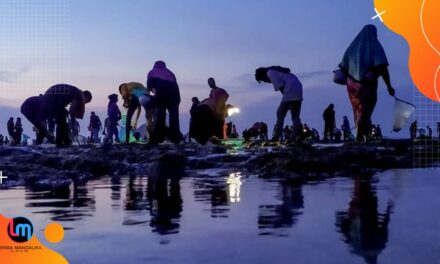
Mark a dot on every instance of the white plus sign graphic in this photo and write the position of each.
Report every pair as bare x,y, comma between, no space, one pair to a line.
2,177
378,15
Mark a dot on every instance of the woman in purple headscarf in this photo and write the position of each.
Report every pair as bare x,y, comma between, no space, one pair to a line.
364,62
163,83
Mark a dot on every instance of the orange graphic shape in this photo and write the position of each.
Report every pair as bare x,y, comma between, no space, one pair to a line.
417,21
54,233
30,256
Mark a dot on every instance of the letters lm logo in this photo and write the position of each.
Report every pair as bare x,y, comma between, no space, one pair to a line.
20,229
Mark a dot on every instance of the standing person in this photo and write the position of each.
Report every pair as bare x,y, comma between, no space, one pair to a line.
163,83
438,130
52,106
364,62
378,132
95,126
217,103
429,129
413,130
6,140
329,122
113,117
136,96
346,128
291,89
1,140
18,131
192,112
11,128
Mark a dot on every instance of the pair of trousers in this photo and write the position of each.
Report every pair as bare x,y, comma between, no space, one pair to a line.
295,110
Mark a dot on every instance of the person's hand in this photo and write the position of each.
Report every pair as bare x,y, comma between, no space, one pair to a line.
391,91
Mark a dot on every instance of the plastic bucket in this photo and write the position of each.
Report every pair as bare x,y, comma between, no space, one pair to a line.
402,112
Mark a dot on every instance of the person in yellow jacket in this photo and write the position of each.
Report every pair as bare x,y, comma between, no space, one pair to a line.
136,96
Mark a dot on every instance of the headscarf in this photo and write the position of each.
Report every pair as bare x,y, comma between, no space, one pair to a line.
364,53
161,71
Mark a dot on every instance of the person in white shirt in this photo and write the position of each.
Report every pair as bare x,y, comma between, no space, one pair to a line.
291,89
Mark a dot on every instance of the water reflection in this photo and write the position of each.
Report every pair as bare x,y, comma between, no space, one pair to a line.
212,191
164,195
273,219
363,228
234,183
71,203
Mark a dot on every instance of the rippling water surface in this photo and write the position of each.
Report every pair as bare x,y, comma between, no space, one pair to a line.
392,217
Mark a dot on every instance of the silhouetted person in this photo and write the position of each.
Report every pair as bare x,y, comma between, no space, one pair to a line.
291,89
136,97
210,114
163,83
365,229
413,130
364,62
113,117
18,131
195,103
346,128
438,130
95,126
2,140
329,122
52,106
6,141
378,132
429,129
11,128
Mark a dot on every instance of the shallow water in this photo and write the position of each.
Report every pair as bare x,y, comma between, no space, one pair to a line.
233,218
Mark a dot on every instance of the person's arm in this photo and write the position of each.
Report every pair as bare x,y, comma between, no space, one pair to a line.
276,80
383,69
138,113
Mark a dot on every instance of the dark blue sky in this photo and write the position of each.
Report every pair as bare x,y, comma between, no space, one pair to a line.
97,45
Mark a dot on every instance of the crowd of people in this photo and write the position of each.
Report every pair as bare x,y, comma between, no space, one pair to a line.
363,63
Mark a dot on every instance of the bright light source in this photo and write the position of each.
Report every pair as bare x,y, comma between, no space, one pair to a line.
233,110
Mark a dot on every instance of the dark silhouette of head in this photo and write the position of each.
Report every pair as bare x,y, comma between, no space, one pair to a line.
211,83
195,100
87,96
261,75
113,97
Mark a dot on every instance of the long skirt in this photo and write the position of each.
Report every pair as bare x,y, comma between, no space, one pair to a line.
363,98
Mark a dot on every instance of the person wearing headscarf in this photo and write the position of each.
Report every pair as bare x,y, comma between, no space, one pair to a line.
113,117
136,96
364,62
162,82
291,88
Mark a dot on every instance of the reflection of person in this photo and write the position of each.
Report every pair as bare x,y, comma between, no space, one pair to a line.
52,106
291,89
163,193
364,228
282,215
364,62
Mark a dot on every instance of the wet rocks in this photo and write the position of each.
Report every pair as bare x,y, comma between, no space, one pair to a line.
57,167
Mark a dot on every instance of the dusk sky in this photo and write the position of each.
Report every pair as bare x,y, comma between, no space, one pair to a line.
97,45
